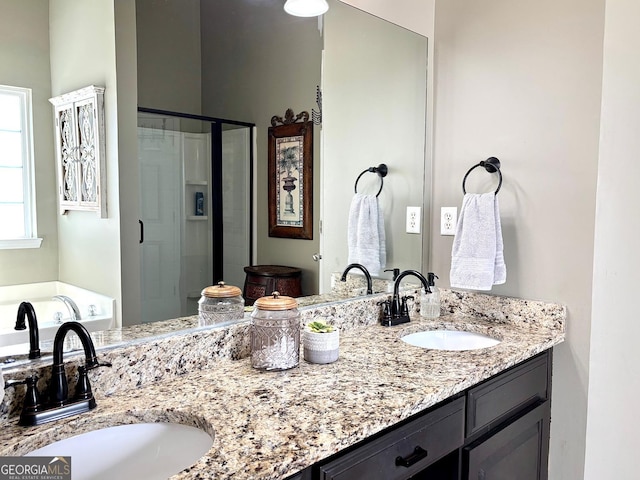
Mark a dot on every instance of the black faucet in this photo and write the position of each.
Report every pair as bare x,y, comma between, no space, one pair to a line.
397,312
58,405
58,387
364,270
26,310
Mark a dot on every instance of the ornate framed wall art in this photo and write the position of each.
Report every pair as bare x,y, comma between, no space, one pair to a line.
291,176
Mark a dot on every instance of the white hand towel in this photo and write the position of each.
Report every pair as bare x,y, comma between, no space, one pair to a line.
365,233
477,259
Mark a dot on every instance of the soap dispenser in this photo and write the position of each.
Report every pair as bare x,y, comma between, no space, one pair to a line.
430,300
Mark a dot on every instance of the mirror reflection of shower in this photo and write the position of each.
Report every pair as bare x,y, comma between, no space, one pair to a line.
195,204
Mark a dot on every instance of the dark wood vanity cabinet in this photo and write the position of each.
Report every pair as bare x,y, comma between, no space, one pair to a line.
517,451
507,424
496,430
405,450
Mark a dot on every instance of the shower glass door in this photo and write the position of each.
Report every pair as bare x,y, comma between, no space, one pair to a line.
195,203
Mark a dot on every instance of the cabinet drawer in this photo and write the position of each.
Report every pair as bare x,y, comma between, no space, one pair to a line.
405,450
503,396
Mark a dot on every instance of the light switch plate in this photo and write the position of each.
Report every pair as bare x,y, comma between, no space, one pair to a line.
448,220
413,219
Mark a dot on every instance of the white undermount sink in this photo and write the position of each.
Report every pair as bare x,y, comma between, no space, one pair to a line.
449,340
136,451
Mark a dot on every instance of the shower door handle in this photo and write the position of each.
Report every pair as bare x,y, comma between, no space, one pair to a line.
141,231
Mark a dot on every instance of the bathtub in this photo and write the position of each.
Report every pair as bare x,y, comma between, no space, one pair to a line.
96,312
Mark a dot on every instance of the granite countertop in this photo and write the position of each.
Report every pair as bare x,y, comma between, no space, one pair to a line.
268,425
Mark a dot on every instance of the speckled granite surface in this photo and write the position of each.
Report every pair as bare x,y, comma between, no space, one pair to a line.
356,284
262,423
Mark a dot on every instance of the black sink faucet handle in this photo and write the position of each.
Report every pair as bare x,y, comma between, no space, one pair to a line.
386,308
404,308
98,364
32,397
83,387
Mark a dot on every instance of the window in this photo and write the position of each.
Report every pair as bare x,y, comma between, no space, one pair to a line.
17,196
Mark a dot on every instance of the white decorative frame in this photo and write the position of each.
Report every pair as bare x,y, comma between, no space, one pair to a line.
80,150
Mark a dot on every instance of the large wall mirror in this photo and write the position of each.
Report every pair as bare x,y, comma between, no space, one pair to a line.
247,60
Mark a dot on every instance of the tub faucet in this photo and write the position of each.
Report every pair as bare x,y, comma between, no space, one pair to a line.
74,313
26,310
398,312
364,270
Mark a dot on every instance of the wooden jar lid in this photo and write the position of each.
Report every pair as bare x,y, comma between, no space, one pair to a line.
221,291
275,302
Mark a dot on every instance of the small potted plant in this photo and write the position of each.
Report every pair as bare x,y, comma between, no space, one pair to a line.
320,342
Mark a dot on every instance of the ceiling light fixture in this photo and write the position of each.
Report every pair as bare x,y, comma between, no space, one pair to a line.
306,8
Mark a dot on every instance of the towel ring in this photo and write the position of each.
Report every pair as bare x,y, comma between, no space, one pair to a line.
491,165
381,170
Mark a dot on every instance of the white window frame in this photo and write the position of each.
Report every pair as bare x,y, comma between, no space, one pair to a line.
30,240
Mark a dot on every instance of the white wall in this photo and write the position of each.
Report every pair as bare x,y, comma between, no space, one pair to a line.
169,64
374,111
56,47
416,15
521,80
614,382
82,40
257,61
127,154
24,62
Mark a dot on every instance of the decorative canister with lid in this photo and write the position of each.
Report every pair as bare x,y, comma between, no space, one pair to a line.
219,304
275,333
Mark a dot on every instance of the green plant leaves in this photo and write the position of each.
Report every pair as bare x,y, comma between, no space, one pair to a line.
320,327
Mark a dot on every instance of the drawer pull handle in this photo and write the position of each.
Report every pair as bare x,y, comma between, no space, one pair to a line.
418,454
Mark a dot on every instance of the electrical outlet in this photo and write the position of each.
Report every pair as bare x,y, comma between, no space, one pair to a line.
448,220
413,219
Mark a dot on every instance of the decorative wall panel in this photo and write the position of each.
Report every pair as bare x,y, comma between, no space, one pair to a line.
80,150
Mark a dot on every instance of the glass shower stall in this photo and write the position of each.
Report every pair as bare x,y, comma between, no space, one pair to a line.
196,199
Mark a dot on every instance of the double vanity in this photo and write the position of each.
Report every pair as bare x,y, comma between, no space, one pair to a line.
386,409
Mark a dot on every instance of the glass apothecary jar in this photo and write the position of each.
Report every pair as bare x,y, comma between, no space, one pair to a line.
220,304
275,333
